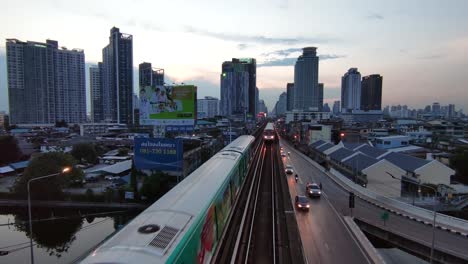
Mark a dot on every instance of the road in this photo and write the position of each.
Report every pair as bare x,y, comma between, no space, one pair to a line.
325,237
399,225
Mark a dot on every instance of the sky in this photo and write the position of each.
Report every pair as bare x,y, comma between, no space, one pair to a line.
420,47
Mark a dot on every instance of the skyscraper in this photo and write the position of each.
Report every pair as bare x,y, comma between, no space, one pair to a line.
290,96
262,107
326,107
238,88
435,108
117,78
306,89
351,90
281,105
371,92
320,97
45,83
150,76
95,85
336,107
257,100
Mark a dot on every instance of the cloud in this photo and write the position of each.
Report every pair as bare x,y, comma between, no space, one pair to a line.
283,52
278,62
331,56
242,46
375,16
292,61
255,39
432,56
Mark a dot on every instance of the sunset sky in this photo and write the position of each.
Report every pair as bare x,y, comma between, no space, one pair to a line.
419,47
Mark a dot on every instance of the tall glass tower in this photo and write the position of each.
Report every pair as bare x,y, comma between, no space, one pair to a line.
307,96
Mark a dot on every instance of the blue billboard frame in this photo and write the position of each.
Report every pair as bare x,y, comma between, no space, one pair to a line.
163,154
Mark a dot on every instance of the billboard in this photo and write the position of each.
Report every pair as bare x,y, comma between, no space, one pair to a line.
168,105
163,154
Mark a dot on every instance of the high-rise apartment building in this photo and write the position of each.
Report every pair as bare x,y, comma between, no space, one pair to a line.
281,106
351,91
208,107
290,96
117,78
262,107
371,92
45,83
435,108
336,107
150,76
95,85
306,89
320,97
238,88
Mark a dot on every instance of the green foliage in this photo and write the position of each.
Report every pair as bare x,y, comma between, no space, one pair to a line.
85,152
155,185
89,195
61,123
9,150
133,180
123,152
459,161
48,188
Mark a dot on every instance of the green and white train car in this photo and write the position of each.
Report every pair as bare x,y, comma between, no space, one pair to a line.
186,224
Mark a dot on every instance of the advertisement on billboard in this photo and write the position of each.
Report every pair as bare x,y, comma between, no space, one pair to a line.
168,105
163,154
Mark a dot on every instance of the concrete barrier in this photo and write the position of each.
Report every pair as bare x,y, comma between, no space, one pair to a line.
366,245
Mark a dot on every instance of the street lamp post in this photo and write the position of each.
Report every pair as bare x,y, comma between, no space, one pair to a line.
431,259
64,170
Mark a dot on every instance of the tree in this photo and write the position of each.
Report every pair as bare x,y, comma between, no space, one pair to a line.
10,151
61,123
123,152
85,152
459,161
134,180
46,164
155,185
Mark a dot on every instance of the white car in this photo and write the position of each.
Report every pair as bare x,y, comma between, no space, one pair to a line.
289,169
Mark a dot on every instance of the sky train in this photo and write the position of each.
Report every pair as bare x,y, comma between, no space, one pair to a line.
186,224
269,133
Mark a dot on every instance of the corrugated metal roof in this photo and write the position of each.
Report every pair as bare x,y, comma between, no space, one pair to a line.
406,162
360,162
340,154
352,146
5,169
116,168
325,147
317,143
19,165
371,151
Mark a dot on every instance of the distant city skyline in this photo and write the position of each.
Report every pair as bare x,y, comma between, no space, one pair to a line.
418,47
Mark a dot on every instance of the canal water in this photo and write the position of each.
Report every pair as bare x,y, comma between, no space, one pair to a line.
59,236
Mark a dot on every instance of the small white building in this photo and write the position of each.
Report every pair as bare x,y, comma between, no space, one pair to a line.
294,116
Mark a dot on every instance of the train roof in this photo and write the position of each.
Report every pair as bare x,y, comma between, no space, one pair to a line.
174,213
240,144
269,126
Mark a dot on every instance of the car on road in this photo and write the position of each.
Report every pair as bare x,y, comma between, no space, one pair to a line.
283,155
289,169
313,190
302,203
